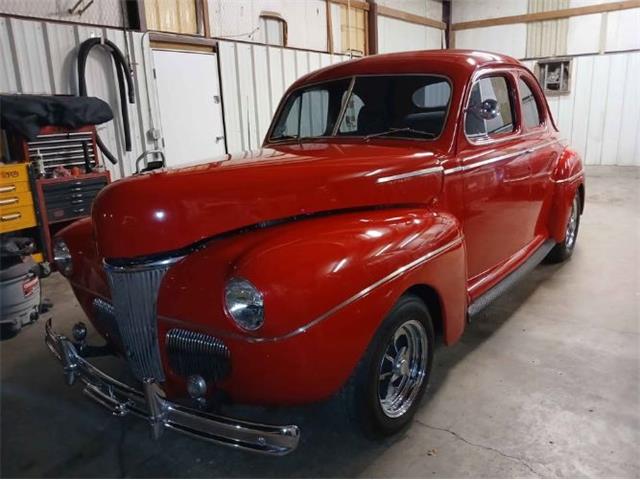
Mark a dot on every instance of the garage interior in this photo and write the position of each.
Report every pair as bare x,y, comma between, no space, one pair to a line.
544,383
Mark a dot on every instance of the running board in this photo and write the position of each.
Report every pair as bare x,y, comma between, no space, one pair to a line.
510,280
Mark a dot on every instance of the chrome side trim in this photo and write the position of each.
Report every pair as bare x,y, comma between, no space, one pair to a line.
542,145
366,291
449,171
143,266
415,173
489,161
571,178
499,158
151,404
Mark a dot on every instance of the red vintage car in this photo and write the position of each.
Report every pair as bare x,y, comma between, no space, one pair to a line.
394,197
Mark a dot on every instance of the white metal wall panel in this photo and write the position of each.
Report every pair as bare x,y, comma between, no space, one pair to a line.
101,12
584,34
397,35
254,78
579,35
622,30
550,37
507,39
8,80
601,116
628,152
41,57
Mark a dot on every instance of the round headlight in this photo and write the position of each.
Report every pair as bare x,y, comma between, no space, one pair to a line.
62,257
245,303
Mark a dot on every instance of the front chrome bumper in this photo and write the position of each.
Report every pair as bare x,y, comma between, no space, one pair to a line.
151,404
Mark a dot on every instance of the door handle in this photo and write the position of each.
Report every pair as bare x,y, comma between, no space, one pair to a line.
9,201
8,188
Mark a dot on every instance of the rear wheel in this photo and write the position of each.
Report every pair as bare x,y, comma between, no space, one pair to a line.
388,383
563,250
9,330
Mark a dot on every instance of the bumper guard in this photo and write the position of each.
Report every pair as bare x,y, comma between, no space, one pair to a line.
151,404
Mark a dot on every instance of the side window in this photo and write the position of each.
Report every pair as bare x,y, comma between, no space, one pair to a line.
530,112
313,121
350,122
307,116
310,112
489,110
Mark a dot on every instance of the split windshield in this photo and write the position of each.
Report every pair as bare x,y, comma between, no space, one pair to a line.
394,106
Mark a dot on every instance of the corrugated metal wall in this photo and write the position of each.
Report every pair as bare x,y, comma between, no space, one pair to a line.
549,38
601,115
254,78
40,57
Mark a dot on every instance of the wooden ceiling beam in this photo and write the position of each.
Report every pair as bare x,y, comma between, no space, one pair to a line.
549,15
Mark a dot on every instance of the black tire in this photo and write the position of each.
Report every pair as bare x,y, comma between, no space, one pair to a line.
360,396
563,250
9,330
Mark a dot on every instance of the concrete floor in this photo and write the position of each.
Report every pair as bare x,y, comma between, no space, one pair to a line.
545,384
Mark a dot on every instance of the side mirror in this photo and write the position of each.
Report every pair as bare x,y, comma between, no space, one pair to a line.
488,109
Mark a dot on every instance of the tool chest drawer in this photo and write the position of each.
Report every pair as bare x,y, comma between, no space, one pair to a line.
69,211
16,199
72,198
66,196
73,186
16,218
14,187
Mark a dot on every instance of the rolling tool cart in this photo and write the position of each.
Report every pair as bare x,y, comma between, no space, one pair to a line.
52,169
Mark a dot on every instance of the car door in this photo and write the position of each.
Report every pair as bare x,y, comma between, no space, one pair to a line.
496,174
543,150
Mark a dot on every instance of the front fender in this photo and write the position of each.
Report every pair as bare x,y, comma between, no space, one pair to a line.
327,284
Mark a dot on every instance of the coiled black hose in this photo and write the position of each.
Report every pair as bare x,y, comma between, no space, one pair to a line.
123,73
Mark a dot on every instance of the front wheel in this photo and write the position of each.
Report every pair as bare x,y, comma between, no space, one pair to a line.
384,391
563,250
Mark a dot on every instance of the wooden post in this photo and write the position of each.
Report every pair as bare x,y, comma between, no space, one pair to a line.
446,18
329,27
372,27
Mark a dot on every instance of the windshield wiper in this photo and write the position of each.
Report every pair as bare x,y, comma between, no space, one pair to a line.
284,137
400,130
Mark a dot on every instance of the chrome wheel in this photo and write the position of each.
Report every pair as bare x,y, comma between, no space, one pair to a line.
572,226
403,368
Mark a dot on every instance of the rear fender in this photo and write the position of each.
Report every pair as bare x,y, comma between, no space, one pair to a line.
568,178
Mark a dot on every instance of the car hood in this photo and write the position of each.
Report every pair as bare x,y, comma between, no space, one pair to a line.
170,209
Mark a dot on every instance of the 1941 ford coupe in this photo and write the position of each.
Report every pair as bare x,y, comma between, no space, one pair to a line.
394,197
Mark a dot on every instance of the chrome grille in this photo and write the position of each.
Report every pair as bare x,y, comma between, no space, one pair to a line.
105,314
195,353
134,292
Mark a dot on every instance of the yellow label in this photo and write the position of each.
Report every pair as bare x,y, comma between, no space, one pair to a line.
14,172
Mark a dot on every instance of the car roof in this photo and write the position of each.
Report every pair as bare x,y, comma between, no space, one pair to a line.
452,63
